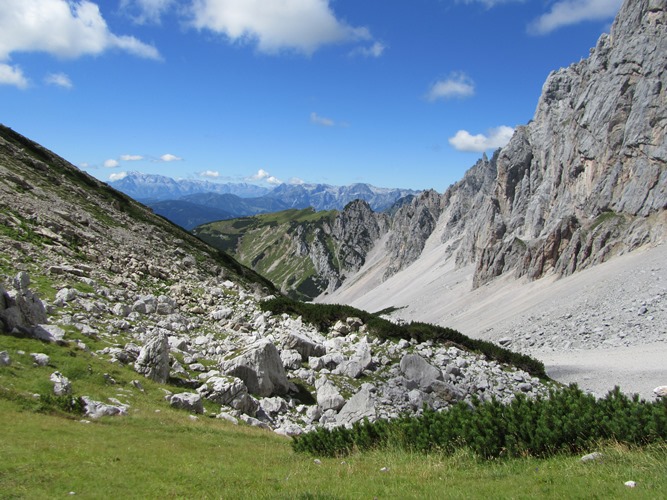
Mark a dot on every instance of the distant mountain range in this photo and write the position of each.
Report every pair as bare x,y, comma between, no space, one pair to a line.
152,188
190,203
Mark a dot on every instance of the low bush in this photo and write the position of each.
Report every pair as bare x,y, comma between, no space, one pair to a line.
569,421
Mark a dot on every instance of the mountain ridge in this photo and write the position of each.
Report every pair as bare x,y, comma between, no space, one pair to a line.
166,196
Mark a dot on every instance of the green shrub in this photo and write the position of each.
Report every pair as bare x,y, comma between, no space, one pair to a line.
567,421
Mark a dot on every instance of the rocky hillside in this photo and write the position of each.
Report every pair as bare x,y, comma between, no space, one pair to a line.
304,252
87,268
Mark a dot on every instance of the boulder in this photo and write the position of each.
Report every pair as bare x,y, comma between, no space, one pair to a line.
289,430
328,397
418,370
360,406
260,368
291,359
190,401
153,359
273,406
229,391
20,309
48,333
304,346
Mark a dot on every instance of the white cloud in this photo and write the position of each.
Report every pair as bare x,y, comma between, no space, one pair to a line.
495,138
375,50
117,176
263,175
111,163
213,174
59,80
320,120
146,11
12,75
64,28
295,181
568,12
131,157
169,157
457,85
299,25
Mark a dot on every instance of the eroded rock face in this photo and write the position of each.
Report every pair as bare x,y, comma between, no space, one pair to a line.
587,178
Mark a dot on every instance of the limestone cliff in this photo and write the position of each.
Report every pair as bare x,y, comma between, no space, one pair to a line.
586,179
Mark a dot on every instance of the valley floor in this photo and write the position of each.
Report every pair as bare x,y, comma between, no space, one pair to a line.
601,327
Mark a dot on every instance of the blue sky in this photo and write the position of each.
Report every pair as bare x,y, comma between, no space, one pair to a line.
395,93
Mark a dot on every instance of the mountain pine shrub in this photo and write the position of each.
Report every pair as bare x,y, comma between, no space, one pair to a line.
567,421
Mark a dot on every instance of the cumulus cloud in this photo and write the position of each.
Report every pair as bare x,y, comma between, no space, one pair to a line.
12,75
375,50
298,25
295,181
263,175
146,11
59,80
131,157
495,138
456,85
117,176
64,28
169,157
111,163
569,12
213,174
320,120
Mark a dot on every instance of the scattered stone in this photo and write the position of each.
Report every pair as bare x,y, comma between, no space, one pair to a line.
40,359
660,391
592,457
61,384
96,409
5,360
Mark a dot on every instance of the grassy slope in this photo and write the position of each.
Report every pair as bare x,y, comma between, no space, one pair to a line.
150,454
156,451
264,243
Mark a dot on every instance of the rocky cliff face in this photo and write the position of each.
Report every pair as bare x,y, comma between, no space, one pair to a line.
586,179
